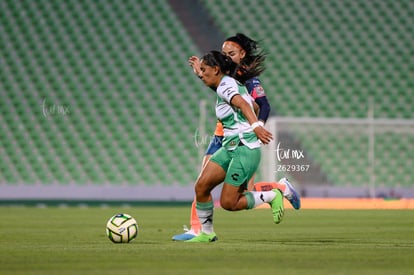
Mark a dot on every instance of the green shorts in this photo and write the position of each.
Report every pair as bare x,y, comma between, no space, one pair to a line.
239,164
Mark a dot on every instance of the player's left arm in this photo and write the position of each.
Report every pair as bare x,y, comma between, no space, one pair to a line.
239,102
264,108
259,96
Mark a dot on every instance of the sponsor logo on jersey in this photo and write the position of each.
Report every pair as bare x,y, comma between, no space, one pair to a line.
260,91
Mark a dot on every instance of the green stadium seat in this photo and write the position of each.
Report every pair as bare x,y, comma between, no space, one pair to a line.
121,72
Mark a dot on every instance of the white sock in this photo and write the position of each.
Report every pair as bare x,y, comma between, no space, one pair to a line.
206,220
261,197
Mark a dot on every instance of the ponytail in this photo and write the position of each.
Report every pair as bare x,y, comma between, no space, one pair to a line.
252,64
240,72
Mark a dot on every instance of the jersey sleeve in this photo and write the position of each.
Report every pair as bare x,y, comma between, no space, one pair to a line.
255,88
227,90
264,108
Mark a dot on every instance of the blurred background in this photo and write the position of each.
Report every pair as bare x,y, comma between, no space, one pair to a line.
97,100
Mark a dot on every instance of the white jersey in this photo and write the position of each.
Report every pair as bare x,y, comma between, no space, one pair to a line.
235,125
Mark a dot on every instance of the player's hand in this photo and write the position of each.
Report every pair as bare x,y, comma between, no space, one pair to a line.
263,135
194,62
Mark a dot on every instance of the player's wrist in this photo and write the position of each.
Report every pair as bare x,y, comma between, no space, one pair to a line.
256,124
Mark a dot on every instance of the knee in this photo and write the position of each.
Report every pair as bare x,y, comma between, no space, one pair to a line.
227,204
201,189
198,189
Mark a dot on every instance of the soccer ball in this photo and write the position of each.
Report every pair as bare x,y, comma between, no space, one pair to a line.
122,228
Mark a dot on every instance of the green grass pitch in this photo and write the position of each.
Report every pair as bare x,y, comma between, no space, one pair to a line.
72,240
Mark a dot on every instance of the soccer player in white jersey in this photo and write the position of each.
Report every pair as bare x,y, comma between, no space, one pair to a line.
246,52
239,157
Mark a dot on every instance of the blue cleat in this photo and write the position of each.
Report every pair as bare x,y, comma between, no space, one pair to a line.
187,235
291,194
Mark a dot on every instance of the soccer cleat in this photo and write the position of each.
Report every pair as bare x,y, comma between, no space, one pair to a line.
290,193
188,235
203,238
277,206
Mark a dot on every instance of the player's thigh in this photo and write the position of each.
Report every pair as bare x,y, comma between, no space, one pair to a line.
243,165
211,176
250,184
230,198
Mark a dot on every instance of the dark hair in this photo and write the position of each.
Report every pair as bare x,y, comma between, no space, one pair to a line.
253,63
216,58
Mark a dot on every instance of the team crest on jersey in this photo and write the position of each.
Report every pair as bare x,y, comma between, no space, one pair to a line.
232,143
